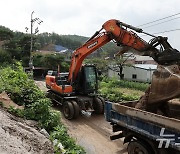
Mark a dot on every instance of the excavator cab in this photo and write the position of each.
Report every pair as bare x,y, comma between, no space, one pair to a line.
86,82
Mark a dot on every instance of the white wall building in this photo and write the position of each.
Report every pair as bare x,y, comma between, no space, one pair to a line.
137,72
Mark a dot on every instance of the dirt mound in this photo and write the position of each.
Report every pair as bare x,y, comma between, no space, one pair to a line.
7,102
18,136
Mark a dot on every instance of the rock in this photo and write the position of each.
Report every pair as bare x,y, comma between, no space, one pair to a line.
44,132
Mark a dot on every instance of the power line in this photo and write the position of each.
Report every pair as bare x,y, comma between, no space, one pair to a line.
161,22
167,31
172,30
159,19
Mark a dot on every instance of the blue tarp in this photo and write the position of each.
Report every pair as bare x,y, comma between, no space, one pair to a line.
59,48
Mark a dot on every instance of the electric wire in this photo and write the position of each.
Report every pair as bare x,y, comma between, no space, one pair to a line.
166,31
159,20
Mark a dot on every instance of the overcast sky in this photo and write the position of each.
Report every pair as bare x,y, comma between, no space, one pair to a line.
84,17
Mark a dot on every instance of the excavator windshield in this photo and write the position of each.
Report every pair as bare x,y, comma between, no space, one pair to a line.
90,78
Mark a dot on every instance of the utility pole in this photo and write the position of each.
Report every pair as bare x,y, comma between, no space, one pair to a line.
33,21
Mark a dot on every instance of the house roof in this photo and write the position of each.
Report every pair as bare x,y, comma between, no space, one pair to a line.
142,58
146,66
60,48
140,66
131,55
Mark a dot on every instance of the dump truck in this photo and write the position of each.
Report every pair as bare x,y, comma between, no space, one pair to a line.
145,132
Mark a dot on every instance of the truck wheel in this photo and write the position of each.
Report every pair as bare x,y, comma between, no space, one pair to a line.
76,109
103,101
136,147
98,106
68,110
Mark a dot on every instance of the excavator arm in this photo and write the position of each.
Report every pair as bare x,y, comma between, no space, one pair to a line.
111,30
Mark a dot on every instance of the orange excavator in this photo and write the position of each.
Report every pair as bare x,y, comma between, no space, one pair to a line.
77,90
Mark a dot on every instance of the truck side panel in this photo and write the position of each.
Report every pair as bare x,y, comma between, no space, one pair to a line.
144,126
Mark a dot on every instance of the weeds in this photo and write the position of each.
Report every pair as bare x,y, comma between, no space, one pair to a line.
23,91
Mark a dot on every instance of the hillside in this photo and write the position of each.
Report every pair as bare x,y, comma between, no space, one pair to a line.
73,42
41,40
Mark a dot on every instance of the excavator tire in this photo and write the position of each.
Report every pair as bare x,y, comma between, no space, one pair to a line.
98,106
68,110
76,109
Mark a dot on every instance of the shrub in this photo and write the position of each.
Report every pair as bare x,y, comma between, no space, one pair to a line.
60,133
23,91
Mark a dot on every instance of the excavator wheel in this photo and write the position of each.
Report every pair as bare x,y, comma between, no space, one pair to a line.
98,105
76,109
68,110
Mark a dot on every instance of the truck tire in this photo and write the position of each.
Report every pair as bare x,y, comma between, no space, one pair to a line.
76,109
103,101
137,147
98,106
68,110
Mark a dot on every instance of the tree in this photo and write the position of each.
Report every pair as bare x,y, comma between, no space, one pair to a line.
5,33
5,57
101,64
51,61
120,63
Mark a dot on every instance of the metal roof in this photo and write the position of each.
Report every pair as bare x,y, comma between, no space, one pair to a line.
146,66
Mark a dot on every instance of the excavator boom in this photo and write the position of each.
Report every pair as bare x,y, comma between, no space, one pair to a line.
113,30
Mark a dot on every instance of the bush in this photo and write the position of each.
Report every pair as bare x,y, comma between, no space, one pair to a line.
16,83
60,133
23,91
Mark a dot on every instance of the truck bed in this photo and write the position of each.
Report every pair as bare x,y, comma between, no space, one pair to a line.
144,123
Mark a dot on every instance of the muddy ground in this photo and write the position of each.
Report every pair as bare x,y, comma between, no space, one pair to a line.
92,133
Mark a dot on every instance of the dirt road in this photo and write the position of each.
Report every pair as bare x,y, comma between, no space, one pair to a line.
92,133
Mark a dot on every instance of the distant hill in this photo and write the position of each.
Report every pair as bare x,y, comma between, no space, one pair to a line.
81,39
71,42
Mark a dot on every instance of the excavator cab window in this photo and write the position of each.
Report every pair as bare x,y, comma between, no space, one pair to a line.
86,82
90,78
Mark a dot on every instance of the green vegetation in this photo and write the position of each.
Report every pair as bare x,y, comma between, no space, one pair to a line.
23,91
100,63
17,44
51,61
121,90
60,133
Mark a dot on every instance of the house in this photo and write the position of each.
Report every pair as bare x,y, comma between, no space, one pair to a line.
137,72
138,59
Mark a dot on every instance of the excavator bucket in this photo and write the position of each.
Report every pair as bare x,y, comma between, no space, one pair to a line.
164,87
165,84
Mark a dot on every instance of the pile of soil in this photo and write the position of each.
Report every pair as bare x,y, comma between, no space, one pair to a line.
19,136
